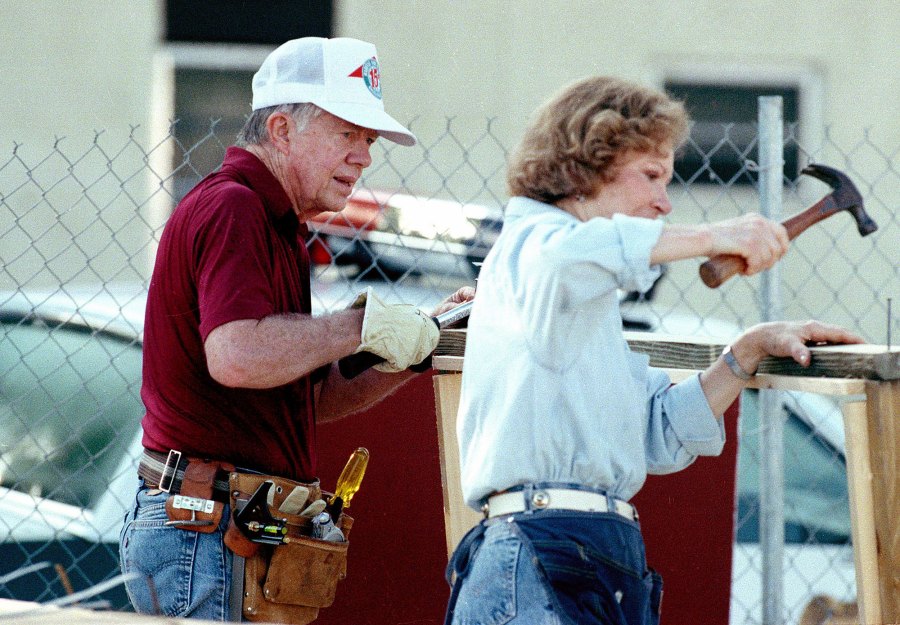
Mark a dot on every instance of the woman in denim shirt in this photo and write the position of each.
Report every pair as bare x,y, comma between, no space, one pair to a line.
559,422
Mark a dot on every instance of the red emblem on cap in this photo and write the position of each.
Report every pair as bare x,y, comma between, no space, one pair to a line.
370,74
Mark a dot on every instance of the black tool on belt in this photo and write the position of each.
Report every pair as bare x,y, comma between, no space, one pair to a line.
257,523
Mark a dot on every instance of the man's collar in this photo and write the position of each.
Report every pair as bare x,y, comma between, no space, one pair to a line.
261,180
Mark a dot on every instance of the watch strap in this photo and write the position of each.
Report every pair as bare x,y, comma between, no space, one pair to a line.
734,365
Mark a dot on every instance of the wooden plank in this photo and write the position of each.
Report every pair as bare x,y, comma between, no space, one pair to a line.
28,613
869,362
458,517
860,489
677,352
447,363
883,402
824,386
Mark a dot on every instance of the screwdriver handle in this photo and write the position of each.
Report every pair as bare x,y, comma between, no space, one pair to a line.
351,477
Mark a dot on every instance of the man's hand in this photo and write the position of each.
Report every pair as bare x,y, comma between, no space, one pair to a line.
401,334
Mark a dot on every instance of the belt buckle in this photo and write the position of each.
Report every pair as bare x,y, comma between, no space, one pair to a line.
164,484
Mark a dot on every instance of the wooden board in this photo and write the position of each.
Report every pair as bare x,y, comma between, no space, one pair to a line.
866,362
883,417
458,517
28,613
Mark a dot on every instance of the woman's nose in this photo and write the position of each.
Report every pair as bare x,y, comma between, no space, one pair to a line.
662,203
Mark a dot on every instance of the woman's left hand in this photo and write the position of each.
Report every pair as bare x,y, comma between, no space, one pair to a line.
787,339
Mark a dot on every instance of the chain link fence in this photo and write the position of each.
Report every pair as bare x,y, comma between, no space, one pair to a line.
79,223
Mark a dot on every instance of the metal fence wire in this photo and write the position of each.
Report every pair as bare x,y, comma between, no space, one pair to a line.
79,224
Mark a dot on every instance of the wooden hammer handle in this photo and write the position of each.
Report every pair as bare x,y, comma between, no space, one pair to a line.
718,269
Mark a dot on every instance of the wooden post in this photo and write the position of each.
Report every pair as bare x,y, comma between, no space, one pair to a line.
458,518
883,417
862,511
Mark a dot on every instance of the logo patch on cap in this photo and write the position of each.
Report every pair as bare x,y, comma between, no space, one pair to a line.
370,74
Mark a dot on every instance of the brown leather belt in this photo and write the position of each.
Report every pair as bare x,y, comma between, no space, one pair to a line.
166,473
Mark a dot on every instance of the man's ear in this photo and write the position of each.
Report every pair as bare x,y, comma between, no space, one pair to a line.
279,127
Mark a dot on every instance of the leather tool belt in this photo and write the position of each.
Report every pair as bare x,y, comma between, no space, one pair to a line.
288,574
519,500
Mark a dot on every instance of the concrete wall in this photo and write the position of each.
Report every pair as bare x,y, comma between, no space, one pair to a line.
70,68
495,57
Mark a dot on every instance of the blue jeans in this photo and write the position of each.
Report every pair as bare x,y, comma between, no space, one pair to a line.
190,571
556,567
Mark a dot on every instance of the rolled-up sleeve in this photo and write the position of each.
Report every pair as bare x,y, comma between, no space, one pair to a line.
681,424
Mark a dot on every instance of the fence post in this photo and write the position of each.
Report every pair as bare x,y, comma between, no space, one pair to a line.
771,414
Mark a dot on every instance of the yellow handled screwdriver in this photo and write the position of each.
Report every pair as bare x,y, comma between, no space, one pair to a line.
348,483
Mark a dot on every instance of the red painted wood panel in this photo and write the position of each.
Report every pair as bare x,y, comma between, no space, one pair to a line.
397,555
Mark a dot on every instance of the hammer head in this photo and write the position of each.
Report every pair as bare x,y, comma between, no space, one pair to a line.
844,195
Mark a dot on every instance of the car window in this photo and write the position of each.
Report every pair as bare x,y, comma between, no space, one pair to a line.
69,408
816,506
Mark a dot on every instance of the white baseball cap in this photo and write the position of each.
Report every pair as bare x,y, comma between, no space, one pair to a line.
339,75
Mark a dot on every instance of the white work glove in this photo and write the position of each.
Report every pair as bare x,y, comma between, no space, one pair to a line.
401,334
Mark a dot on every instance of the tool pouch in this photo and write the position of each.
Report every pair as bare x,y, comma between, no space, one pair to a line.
290,582
194,509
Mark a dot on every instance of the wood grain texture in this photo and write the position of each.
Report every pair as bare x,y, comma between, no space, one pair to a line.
28,613
458,517
883,417
866,362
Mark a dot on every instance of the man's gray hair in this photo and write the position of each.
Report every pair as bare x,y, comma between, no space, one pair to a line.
254,131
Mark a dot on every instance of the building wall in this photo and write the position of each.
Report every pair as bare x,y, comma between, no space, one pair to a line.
70,68
494,57
74,67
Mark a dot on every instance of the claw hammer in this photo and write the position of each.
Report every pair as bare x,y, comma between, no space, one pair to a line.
844,197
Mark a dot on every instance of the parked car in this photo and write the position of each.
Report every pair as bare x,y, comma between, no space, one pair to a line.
70,410
393,234
70,436
818,555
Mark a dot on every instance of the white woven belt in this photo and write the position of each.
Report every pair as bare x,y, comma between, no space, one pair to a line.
557,498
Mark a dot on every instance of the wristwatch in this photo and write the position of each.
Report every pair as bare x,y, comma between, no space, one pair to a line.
734,365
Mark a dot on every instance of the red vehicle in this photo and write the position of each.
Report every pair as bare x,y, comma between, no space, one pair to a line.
398,234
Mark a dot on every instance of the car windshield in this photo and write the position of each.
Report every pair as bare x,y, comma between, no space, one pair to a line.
69,408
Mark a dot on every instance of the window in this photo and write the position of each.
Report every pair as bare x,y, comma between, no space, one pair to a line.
214,49
247,22
724,131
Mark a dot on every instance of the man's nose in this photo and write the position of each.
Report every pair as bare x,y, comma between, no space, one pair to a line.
361,154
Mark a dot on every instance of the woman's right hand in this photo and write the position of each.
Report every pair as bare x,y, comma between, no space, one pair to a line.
759,241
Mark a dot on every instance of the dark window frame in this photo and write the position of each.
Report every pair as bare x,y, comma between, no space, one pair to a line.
724,131
247,21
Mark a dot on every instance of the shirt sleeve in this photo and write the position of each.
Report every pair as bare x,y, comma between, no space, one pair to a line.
681,424
586,260
231,259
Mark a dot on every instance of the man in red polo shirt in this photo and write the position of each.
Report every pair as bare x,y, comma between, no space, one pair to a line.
235,368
